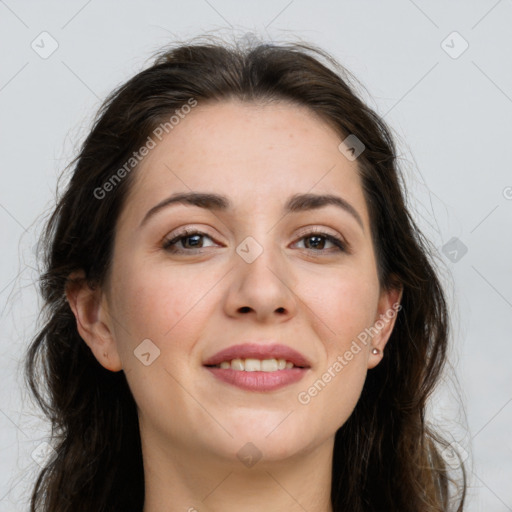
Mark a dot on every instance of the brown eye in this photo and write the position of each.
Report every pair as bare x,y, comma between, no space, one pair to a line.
316,242
189,240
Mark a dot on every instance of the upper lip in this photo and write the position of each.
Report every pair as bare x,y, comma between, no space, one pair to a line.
258,351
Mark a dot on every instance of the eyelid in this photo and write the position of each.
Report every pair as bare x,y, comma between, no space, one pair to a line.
321,230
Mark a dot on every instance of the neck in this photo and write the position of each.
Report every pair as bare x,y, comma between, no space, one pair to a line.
198,482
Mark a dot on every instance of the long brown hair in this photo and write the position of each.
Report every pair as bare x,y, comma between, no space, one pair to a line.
386,457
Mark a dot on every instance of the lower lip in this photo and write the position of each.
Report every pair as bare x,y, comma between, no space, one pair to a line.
259,381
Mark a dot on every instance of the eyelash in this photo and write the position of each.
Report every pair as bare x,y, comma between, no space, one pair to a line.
340,245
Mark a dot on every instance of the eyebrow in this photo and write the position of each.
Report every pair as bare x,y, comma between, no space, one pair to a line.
217,202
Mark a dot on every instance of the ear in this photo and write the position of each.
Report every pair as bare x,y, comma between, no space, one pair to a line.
387,310
92,320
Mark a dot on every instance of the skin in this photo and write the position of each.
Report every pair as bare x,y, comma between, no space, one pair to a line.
193,304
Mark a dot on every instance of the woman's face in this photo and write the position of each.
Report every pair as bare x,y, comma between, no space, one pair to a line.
259,274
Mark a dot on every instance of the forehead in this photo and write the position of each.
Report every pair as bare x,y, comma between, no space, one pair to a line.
257,154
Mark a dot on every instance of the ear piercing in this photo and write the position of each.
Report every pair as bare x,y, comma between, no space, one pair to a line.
375,351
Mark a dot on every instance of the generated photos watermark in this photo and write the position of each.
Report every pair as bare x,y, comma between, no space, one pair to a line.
137,156
304,397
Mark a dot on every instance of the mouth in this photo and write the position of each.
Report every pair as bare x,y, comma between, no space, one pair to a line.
256,367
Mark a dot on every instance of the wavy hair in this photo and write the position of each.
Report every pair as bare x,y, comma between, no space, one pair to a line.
386,455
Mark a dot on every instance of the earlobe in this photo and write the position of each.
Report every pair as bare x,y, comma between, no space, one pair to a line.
387,311
92,320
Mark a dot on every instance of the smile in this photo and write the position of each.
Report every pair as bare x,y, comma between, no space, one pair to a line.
256,365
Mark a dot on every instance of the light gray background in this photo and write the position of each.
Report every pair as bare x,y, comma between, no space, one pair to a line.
452,117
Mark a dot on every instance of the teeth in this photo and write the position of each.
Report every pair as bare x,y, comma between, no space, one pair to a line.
256,365
237,364
252,365
269,365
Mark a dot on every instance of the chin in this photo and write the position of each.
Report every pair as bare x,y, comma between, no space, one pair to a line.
269,440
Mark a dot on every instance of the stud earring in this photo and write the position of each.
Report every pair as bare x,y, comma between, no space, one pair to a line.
375,351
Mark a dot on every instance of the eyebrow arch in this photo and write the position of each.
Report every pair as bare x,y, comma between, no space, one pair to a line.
217,202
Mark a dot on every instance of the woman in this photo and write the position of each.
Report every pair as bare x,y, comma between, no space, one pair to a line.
241,312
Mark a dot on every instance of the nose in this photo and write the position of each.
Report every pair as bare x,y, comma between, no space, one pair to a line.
261,288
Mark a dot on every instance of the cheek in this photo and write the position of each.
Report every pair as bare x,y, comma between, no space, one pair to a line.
344,305
150,300
149,306
346,384
169,307
345,302
330,398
